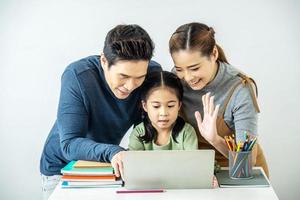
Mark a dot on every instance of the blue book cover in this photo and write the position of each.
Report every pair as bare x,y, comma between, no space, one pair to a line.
66,184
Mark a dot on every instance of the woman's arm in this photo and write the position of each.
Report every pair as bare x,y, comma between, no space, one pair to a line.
208,128
245,116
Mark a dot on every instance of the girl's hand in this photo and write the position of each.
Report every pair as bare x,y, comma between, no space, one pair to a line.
208,127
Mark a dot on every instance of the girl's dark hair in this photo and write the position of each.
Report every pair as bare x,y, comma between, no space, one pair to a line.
127,42
196,37
154,81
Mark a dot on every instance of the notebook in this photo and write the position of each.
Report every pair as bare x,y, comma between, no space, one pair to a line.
69,169
67,184
168,169
88,178
90,164
258,180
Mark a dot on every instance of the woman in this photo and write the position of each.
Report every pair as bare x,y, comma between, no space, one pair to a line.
206,74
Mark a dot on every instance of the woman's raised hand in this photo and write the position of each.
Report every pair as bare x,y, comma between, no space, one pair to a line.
207,126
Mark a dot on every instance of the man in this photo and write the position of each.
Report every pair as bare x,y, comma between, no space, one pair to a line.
98,103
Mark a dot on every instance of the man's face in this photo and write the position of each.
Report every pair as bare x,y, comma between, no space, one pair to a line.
124,76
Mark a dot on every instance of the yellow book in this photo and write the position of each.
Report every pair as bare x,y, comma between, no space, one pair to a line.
91,164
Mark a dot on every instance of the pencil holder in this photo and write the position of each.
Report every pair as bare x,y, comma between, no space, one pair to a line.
240,164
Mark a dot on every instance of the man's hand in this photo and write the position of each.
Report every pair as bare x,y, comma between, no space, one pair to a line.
117,163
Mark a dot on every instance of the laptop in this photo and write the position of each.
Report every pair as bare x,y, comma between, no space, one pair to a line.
169,169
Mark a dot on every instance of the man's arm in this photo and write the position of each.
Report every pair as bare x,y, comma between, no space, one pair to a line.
72,120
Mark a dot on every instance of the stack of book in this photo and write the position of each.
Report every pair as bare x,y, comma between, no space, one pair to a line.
87,174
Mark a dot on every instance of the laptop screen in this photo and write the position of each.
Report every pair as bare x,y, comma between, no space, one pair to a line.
169,169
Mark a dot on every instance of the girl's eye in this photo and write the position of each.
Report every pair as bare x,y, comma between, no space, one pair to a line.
170,106
155,106
178,70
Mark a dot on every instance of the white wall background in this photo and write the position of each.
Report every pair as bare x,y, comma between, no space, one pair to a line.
39,38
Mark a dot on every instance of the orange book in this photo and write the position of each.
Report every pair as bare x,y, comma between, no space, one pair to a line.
88,178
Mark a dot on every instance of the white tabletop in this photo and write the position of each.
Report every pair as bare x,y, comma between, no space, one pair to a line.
258,193
266,193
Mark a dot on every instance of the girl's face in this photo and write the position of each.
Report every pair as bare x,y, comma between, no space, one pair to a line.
162,106
195,69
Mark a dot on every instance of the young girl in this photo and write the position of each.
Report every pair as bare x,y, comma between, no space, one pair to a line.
162,128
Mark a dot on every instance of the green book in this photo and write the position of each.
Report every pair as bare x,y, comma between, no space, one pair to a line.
258,180
69,169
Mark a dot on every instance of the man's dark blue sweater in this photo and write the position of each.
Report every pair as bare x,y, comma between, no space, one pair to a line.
91,121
